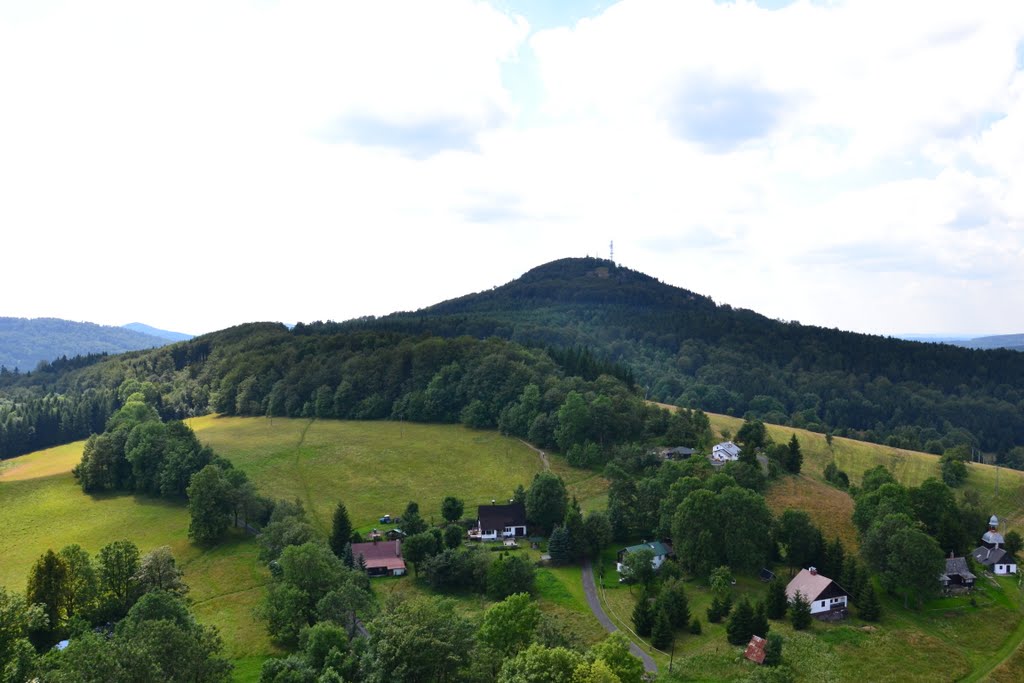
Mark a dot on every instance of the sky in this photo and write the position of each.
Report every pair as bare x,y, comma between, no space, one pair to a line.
195,165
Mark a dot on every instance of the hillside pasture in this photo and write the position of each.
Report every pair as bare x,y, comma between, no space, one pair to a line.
376,468
909,467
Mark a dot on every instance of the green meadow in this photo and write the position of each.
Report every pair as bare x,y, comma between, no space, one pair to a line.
378,467
374,467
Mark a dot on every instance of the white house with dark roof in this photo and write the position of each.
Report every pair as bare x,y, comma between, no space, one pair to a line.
823,594
499,521
991,553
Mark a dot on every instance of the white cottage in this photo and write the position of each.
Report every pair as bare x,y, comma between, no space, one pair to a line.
821,592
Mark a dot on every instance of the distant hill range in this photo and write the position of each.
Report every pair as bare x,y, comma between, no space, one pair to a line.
25,342
157,332
1013,342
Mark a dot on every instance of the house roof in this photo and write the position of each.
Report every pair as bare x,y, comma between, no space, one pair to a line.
958,565
988,556
728,447
658,547
755,649
501,516
810,585
380,554
677,452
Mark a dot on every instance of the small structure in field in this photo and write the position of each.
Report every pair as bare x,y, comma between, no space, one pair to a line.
826,597
755,649
382,558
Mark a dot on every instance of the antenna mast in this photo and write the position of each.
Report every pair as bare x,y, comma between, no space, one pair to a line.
611,251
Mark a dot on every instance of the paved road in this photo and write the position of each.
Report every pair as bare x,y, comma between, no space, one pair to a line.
590,590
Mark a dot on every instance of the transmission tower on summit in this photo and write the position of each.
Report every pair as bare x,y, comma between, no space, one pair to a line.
611,251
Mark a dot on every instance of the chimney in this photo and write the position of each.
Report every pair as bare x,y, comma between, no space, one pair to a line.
813,571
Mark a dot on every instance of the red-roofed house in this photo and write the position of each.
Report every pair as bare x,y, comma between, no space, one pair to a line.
383,558
821,592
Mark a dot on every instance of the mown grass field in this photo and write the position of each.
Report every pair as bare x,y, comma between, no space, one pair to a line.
374,467
378,467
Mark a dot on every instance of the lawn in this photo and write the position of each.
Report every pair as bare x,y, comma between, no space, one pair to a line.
949,639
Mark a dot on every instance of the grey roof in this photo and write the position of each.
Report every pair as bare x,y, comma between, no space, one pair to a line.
958,565
988,556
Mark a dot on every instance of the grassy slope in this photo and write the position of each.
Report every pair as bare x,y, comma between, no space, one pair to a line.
375,467
909,467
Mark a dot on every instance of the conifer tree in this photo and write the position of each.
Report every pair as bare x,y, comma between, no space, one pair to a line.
800,612
643,616
346,556
759,624
573,524
341,530
739,628
773,650
695,628
868,606
794,459
673,600
558,546
662,634
776,602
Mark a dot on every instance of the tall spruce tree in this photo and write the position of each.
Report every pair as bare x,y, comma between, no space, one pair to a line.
662,634
643,616
558,546
759,624
341,530
740,625
776,602
868,606
800,612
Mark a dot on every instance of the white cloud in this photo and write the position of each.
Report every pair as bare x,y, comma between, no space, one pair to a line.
325,160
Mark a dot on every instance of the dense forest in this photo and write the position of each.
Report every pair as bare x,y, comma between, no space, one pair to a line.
510,357
682,348
25,342
266,369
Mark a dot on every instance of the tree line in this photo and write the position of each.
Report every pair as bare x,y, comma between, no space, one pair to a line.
684,349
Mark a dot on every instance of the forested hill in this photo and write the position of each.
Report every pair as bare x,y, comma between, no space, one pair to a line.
310,371
24,342
685,349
